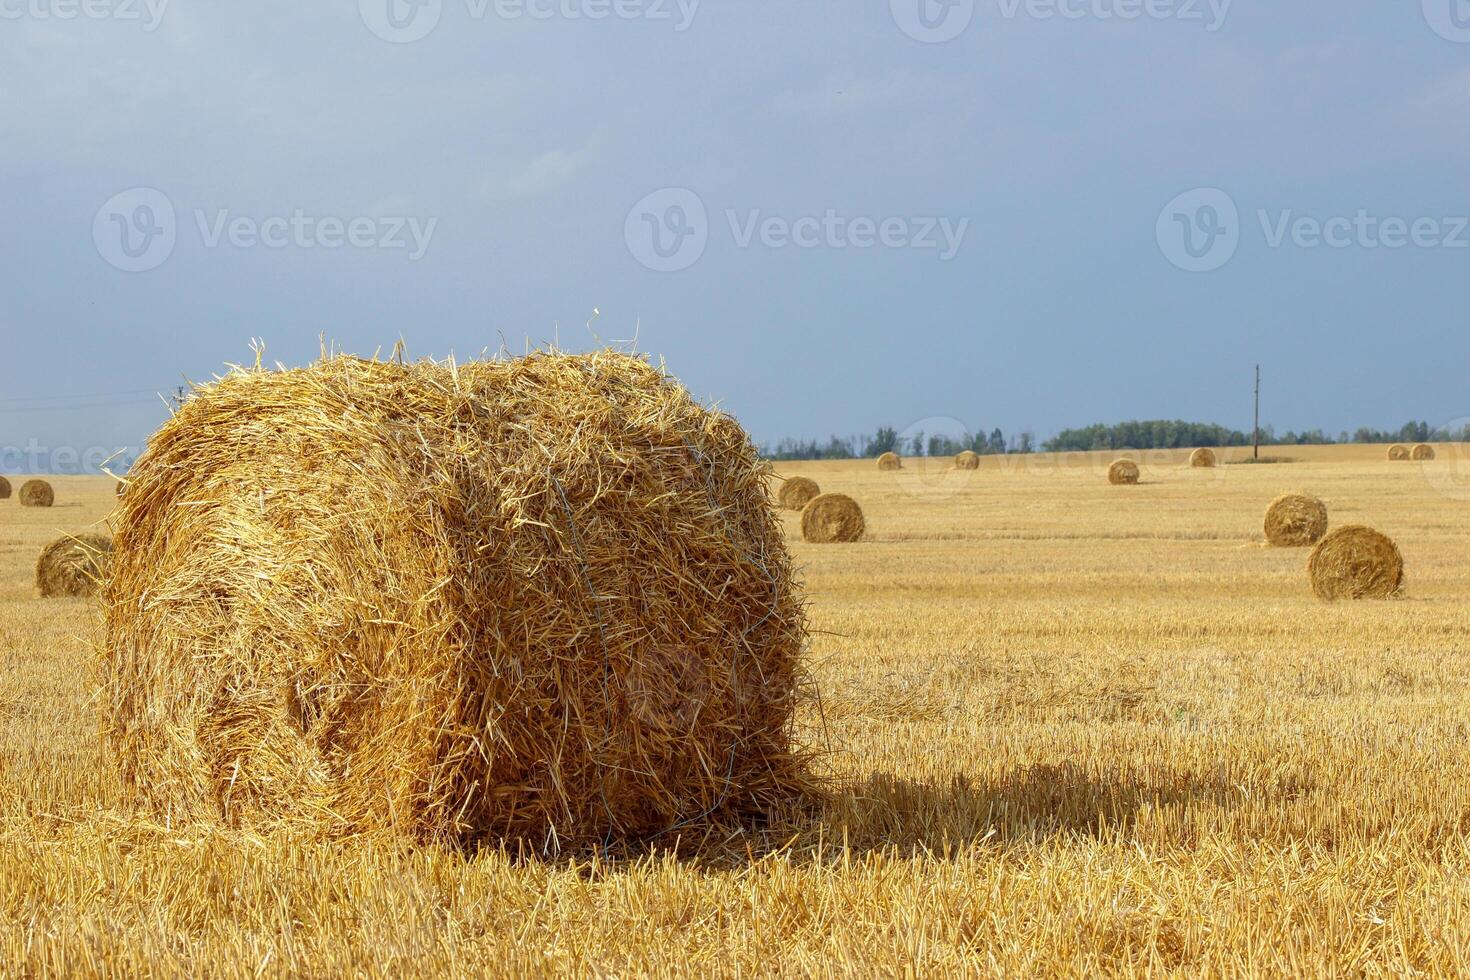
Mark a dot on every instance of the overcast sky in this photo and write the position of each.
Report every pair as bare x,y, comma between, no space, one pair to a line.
827,216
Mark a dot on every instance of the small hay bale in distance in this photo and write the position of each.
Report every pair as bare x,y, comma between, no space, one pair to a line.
543,601
1295,520
1422,452
967,460
1123,472
1398,452
1203,458
832,518
890,461
797,492
73,566
5,489
37,493
1356,562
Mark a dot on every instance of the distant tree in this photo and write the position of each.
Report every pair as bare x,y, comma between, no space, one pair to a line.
885,440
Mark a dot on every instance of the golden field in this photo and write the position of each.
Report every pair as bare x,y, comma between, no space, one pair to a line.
1070,729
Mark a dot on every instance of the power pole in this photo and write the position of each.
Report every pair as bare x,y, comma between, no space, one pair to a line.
179,396
1256,432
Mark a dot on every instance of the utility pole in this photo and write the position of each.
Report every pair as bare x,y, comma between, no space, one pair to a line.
179,397
1256,432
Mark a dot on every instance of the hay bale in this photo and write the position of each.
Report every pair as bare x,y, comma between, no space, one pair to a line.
4,488
890,461
1123,472
967,460
1203,459
1422,452
832,518
797,492
73,566
37,493
1356,562
543,600
1398,452
1295,520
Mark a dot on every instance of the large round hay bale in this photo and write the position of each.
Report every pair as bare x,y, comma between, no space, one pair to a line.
1295,520
37,493
797,492
73,566
1203,458
1356,562
832,518
1123,472
1398,452
890,461
1422,452
544,600
967,460
4,488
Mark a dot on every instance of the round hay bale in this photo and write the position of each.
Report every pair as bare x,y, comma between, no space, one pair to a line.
797,492
1422,452
4,488
73,566
1356,562
1123,472
967,460
543,600
1295,520
1398,452
37,493
890,461
832,518
1203,458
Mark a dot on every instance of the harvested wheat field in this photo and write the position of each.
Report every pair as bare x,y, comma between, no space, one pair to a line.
1065,731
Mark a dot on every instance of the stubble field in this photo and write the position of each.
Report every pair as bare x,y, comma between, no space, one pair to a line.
1070,728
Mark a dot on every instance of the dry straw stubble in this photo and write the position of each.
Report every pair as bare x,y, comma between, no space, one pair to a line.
967,460
1356,562
1203,458
1295,520
543,600
37,493
832,518
1123,472
890,461
797,492
73,566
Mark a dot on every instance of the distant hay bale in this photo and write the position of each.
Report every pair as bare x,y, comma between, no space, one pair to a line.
37,493
832,518
1356,562
890,461
1422,452
1295,520
1203,458
4,488
1398,452
1123,472
73,566
543,600
967,460
797,492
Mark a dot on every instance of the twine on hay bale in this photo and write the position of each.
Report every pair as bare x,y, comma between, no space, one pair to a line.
73,566
1203,458
832,518
1422,452
797,492
543,600
37,493
5,490
1123,472
967,460
1295,520
1398,452
890,461
1356,562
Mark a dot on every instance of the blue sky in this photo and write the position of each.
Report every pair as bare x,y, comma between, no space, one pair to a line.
864,221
